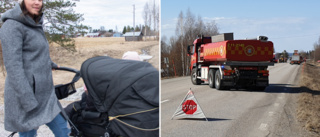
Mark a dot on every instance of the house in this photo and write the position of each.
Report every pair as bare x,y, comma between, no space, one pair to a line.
105,34
117,34
93,35
133,36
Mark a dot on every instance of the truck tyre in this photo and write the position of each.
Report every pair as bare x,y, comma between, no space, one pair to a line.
194,79
211,78
218,81
260,88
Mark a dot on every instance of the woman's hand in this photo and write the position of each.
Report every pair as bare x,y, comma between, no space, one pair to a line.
55,69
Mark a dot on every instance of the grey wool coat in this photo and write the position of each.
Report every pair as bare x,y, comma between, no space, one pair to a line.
29,96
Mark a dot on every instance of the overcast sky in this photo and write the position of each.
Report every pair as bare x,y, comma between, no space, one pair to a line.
111,13
289,24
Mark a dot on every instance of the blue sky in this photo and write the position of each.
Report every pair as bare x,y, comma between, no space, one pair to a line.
289,24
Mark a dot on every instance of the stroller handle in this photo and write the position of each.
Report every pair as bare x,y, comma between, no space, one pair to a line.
76,77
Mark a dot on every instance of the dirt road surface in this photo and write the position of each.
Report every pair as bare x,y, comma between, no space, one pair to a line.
235,112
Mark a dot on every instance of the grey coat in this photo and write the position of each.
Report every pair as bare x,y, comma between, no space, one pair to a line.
30,100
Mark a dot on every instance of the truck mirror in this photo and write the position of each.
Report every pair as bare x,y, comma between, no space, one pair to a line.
189,48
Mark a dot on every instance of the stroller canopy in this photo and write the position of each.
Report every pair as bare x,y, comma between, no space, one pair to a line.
106,79
128,91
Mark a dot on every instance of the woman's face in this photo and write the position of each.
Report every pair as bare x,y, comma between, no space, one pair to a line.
33,6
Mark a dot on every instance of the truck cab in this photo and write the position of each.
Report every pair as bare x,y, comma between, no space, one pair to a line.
195,50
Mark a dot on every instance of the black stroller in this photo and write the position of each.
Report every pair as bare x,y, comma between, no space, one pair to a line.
125,96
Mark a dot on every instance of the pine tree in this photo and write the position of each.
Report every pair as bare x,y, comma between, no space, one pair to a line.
4,6
128,28
124,30
137,28
63,23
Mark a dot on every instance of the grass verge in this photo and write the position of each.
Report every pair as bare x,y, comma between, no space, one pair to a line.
308,111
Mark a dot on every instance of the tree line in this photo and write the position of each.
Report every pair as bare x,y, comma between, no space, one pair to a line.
315,54
151,17
137,28
174,58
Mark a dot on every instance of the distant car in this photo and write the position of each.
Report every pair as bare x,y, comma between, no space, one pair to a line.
274,60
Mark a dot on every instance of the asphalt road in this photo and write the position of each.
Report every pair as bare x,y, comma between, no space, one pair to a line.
232,113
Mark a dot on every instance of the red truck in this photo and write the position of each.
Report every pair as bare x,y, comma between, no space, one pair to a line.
296,58
227,63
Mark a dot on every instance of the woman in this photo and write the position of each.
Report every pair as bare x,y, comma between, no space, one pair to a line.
30,100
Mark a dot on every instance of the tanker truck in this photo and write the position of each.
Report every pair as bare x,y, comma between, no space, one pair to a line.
227,63
296,58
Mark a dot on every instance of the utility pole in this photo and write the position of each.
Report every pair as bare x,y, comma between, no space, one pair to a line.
133,19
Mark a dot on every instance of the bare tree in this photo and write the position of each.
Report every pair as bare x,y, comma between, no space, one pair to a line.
189,26
157,17
303,54
180,23
151,18
157,21
145,15
200,26
210,29
154,15
316,53
165,48
180,31
187,29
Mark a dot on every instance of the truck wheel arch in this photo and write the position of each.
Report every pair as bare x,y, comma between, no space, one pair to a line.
216,68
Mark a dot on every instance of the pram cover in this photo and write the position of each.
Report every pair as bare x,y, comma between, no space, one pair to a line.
128,91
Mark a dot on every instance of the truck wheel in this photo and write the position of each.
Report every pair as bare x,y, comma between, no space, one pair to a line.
260,88
211,78
194,79
218,81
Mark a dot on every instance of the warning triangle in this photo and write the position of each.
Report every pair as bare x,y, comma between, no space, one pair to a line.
189,108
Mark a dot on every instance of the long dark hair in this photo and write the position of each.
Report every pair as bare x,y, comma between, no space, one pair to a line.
25,12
